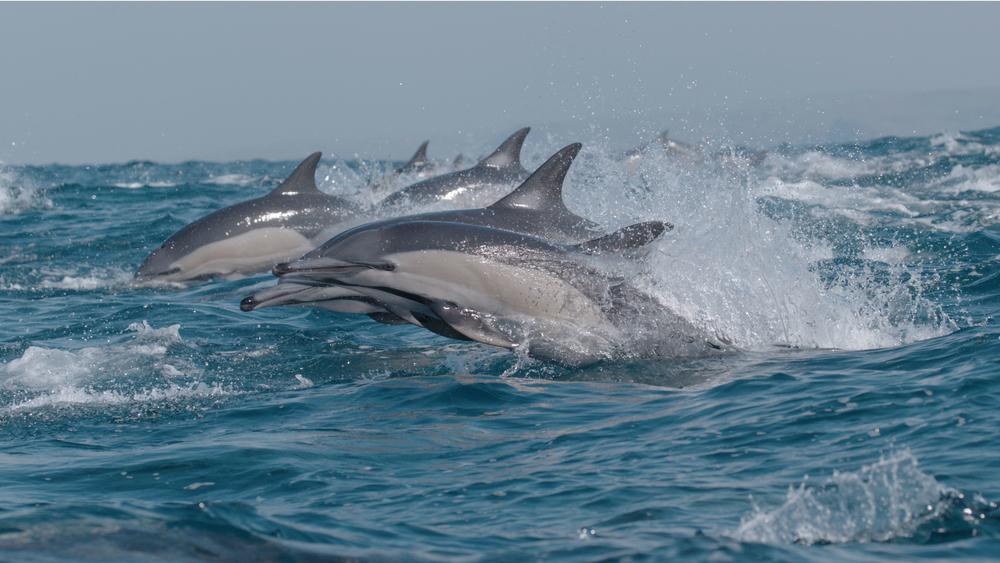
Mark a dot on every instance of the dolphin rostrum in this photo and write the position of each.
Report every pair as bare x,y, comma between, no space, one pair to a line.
536,207
502,169
251,236
508,289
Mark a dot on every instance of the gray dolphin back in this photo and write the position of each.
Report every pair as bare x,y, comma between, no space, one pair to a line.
501,168
508,154
417,161
302,180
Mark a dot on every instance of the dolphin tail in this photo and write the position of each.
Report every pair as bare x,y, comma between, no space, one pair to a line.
626,239
508,154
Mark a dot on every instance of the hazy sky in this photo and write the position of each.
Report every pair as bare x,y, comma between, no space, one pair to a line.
112,82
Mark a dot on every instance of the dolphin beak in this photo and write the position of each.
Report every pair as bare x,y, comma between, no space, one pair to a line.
322,267
284,293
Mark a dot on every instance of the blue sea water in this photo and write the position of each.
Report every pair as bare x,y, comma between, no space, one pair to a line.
859,420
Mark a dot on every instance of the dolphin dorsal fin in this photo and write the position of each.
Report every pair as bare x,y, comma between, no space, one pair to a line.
302,180
508,154
543,189
625,239
418,159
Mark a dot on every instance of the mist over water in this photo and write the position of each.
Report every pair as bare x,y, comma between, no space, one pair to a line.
856,417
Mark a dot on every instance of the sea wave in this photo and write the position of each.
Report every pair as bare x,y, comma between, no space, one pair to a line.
885,500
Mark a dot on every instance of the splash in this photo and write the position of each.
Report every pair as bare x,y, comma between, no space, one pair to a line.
18,194
110,374
747,268
886,500
83,279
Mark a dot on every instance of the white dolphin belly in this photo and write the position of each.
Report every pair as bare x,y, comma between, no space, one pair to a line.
495,288
250,252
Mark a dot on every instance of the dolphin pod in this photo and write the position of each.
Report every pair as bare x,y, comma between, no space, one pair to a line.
523,273
536,207
500,170
506,289
517,274
250,237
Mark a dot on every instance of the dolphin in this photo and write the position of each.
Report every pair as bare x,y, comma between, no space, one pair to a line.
501,169
508,289
729,158
418,168
679,151
536,207
251,236
418,162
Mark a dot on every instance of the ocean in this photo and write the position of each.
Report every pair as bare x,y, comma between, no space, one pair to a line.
858,418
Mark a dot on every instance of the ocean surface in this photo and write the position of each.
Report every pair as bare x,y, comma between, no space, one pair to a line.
858,420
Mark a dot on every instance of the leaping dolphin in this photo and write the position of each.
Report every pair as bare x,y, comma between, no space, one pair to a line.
536,208
729,158
502,169
251,236
677,151
418,168
508,289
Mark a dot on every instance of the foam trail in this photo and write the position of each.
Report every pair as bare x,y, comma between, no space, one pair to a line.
885,500
105,375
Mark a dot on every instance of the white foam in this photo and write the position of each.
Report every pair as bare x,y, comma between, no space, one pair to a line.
18,194
146,184
964,179
56,279
69,395
736,272
820,164
845,199
46,368
896,254
882,501
957,144
70,376
232,180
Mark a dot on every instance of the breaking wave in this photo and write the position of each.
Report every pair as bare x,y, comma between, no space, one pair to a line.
887,500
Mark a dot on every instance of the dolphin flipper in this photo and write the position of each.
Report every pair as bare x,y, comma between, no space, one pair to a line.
302,180
627,238
508,154
387,319
470,324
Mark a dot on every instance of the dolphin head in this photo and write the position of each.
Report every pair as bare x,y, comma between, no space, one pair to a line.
162,264
230,241
361,248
